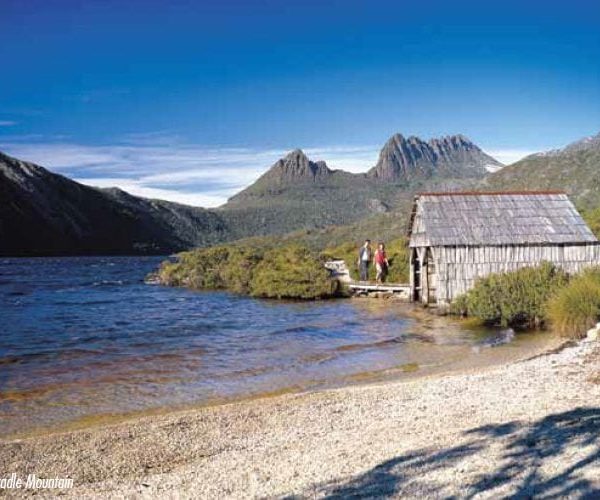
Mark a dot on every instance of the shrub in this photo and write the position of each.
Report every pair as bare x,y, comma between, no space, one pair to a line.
576,308
210,268
241,264
516,298
292,272
284,272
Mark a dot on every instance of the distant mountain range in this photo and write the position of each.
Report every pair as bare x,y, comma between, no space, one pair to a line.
43,213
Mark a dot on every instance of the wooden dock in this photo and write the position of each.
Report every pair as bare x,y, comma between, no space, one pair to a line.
373,289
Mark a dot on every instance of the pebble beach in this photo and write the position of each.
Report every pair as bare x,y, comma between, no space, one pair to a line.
528,428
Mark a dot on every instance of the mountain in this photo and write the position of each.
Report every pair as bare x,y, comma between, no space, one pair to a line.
448,157
295,167
574,169
43,213
297,193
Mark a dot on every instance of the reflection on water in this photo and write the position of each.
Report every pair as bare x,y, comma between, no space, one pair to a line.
85,336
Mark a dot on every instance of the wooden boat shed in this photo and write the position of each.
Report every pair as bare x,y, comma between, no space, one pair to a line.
456,238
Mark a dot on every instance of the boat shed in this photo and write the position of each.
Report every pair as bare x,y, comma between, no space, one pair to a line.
456,238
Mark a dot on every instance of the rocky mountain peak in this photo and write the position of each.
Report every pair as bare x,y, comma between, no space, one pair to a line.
413,159
296,166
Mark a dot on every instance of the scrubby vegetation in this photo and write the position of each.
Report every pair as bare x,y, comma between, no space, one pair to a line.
517,298
592,219
536,297
576,308
291,271
397,253
288,270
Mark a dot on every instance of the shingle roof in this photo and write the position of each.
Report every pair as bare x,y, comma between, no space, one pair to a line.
507,218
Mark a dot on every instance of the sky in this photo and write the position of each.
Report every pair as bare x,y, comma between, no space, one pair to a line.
191,100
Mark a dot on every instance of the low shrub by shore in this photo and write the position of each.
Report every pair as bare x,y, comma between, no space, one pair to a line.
287,272
535,297
576,308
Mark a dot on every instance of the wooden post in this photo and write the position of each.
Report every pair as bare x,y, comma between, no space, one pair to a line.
412,275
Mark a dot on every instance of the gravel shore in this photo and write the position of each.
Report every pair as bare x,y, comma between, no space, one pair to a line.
530,428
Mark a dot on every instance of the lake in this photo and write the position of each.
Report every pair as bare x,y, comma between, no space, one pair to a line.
84,337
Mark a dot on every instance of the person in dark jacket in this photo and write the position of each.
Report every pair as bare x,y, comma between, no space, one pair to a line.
364,259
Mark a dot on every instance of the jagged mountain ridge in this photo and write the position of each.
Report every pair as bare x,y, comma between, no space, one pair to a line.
412,159
401,161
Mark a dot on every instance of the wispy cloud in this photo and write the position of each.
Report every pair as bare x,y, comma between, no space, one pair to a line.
508,156
160,165
7,123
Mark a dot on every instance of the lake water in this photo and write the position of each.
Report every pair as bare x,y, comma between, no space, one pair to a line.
83,337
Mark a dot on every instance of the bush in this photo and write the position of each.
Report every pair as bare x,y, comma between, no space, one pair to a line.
292,272
397,252
516,298
238,273
196,268
576,308
285,272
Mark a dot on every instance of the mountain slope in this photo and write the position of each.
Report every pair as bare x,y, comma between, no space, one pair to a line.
47,214
575,169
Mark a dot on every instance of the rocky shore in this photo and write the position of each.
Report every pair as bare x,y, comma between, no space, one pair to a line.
527,428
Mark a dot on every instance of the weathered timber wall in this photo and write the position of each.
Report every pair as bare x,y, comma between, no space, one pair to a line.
457,267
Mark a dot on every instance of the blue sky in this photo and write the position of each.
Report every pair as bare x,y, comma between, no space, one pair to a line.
191,100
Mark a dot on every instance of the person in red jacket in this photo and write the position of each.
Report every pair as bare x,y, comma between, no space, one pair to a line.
381,263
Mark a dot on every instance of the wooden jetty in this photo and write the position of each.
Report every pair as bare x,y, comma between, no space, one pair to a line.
400,290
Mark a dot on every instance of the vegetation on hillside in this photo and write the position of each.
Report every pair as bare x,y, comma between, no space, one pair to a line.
378,227
592,219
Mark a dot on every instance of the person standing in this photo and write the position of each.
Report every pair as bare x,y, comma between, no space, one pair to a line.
364,258
381,263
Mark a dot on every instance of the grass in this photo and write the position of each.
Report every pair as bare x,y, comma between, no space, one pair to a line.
575,308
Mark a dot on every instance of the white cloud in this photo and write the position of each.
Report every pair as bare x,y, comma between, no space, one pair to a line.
158,165
508,156
137,188
7,123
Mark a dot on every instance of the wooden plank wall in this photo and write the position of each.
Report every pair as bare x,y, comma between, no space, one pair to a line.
459,266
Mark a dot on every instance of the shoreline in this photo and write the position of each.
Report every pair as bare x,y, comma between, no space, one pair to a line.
492,356
436,435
